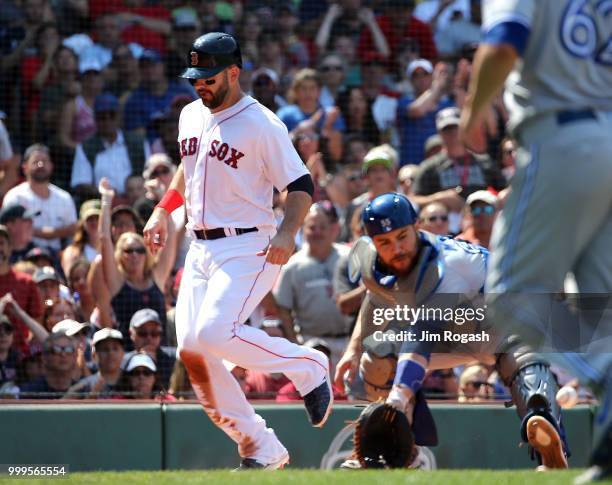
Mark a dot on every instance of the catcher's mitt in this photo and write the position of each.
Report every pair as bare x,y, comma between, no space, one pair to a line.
383,437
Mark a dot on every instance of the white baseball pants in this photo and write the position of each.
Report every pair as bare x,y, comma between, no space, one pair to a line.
222,283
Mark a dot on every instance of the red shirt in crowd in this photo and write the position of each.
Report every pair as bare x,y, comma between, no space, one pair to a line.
25,292
415,29
134,33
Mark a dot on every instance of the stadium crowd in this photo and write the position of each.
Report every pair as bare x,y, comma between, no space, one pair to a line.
370,92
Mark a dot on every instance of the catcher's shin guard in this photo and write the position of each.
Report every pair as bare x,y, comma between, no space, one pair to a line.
533,390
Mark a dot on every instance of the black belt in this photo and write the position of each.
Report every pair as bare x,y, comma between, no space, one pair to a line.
564,117
219,232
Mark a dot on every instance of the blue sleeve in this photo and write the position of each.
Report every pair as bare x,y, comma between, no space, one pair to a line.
402,106
286,115
514,33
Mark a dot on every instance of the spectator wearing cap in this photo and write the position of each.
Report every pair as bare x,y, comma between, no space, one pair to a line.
478,216
379,170
53,208
23,289
18,221
348,18
304,290
59,362
157,175
107,30
48,282
417,111
9,357
107,345
154,94
306,115
264,85
434,218
185,27
77,121
146,330
85,242
141,378
453,174
400,27
80,332
40,257
110,153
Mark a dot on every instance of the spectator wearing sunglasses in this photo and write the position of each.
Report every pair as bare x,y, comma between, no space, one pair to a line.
59,361
157,175
264,86
133,277
474,384
478,217
141,378
145,333
331,72
434,218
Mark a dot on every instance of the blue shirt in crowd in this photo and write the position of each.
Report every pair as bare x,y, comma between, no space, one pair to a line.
415,131
292,116
142,105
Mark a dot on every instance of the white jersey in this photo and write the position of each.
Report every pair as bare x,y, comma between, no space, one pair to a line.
58,210
567,59
232,160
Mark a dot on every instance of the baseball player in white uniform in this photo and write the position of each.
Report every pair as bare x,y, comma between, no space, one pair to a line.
234,151
556,59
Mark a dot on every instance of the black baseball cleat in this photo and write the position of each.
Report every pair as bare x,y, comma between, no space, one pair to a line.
319,402
252,464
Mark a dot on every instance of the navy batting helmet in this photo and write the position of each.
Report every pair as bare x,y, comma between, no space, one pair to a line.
386,213
210,54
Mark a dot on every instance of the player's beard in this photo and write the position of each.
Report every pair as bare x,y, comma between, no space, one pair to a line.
217,98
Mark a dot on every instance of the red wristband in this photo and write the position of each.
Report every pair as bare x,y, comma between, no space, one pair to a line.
171,201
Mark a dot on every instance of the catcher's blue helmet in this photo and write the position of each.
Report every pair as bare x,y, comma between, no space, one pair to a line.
386,213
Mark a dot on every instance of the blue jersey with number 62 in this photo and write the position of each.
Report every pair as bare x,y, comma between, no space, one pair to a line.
566,53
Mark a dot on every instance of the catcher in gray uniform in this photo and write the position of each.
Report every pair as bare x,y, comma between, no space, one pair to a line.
409,269
556,59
